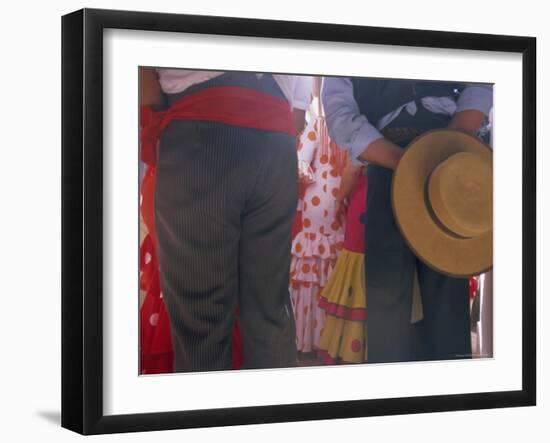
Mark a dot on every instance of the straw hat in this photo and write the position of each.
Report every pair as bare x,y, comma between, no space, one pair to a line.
442,196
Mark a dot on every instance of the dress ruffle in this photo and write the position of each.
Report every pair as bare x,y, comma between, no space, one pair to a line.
344,294
343,338
311,244
310,270
309,317
343,341
313,259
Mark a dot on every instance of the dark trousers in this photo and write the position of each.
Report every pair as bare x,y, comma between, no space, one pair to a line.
389,271
224,207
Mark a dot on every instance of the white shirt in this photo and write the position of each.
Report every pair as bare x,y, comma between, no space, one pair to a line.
352,131
296,88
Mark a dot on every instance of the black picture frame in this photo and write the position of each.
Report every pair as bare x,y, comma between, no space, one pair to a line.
82,220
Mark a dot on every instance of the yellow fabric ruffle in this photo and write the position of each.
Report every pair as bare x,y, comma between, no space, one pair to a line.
343,340
346,285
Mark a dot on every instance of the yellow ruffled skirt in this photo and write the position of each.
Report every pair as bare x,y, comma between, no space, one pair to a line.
344,336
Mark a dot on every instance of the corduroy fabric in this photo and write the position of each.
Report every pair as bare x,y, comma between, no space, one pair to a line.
225,202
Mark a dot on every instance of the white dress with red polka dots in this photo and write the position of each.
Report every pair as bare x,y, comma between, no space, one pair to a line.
315,247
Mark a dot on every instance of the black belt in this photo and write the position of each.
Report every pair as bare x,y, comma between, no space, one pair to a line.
400,135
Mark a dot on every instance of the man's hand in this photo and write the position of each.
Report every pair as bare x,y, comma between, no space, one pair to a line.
341,211
150,92
467,121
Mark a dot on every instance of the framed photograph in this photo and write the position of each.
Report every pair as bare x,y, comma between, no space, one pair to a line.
267,221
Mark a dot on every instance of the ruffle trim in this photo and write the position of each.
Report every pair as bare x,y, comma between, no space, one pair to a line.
344,294
310,271
343,341
353,314
328,360
312,244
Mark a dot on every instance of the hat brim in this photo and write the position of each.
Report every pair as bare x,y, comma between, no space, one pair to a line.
439,249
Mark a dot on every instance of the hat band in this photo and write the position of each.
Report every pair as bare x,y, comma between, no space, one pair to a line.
434,216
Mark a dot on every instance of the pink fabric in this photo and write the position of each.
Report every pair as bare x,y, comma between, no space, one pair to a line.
355,230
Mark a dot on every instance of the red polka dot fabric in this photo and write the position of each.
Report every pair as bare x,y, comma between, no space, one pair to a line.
315,247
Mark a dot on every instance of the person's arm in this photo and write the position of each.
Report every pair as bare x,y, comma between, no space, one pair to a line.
299,120
467,121
350,173
300,101
382,152
150,92
351,130
472,107
308,143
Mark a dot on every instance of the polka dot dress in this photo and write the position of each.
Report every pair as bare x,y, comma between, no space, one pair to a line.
156,355
315,247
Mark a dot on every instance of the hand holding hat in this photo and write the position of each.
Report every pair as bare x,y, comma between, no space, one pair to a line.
442,198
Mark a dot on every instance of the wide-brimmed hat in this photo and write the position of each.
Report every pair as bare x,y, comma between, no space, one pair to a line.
442,196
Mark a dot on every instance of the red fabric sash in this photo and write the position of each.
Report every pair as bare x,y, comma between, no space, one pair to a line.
232,105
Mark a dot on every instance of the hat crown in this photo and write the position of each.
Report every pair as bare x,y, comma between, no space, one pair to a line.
460,194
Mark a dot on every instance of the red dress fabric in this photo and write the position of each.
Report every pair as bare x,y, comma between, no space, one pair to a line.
156,356
297,227
354,239
473,287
